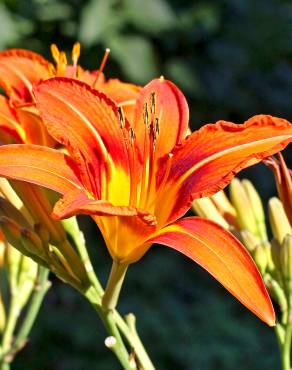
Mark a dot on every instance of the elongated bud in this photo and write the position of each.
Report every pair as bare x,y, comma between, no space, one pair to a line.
276,248
249,240
42,232
32,243
8,210
225,208
286,262
276,292
261,258
243,207
279,222
257,208
11,230
204,207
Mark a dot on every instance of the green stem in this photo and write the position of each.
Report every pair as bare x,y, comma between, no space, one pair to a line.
41,287
284,336
115,342
114,285
8,333
128,329
10,349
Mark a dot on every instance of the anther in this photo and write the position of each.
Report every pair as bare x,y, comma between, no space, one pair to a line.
153,102
62,58
121,117
75,53
55,53
157,128
132,134
145,114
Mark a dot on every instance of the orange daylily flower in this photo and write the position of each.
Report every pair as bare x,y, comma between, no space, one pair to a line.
136,179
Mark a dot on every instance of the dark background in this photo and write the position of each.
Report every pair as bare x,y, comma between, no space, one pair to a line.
232,59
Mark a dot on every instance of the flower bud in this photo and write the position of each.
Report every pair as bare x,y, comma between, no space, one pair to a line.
249,240
225,208
32,243
204,207
42,232
242,204
11,231
257,208
279,222
286,262
261,258
275,249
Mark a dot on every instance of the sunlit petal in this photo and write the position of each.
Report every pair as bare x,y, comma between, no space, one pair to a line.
224,257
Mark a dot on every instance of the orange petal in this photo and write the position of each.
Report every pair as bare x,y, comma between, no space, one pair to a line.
124,94
87,123
224,257
9,122
169,106
77,202
124,228
210,157
19,70
34,128
39,165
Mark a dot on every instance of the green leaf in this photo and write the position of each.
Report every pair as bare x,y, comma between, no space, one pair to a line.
150,15
98,19
8,29
136,57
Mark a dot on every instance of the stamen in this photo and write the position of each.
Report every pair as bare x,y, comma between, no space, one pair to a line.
104,60
132,135
101,67
146,114
75,53
61,67
153,102
161,78
121,117
156,128
132,166
55,53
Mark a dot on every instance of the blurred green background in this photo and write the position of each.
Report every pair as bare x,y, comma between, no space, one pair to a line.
232,59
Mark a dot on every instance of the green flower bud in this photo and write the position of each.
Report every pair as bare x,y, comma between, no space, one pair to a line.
261,258
32,243
279,222
275,249
257,208
286,262
243,206
204,207
249,240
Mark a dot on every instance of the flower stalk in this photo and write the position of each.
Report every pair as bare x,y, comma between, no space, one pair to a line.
114,285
